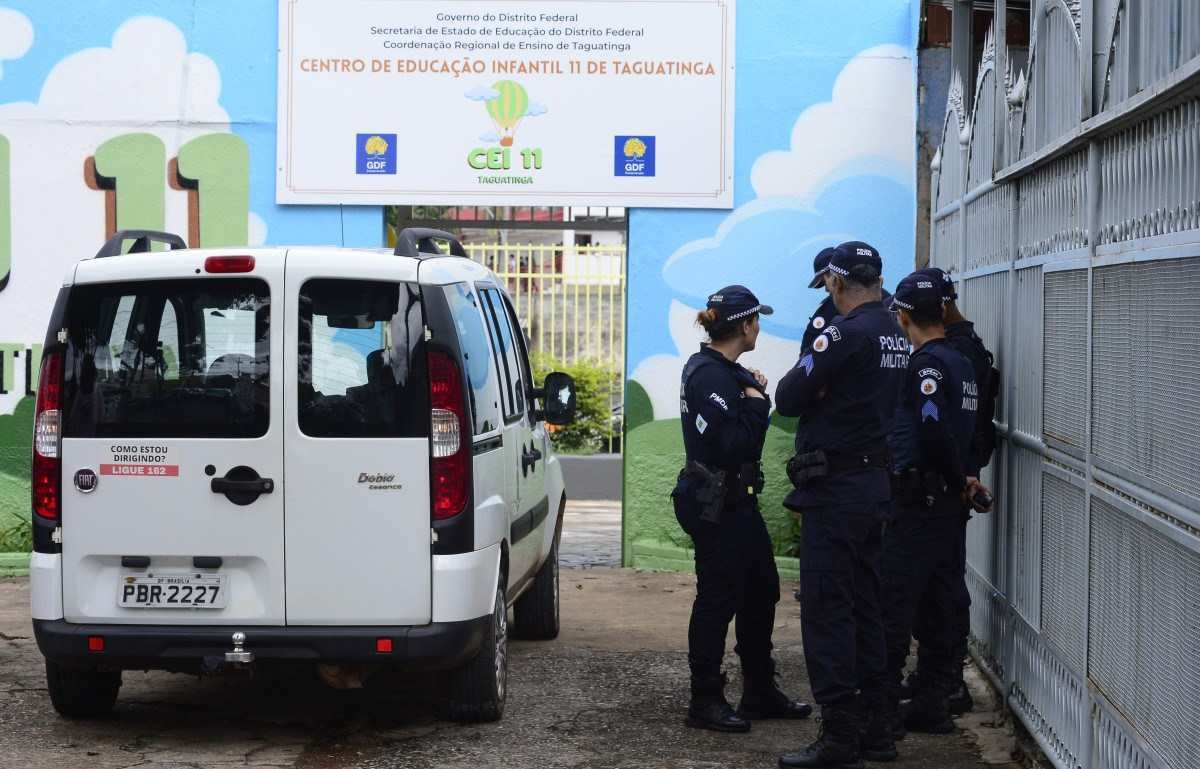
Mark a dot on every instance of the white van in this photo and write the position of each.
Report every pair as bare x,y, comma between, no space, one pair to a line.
286,455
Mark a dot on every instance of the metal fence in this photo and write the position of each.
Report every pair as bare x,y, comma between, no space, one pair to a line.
1067,203
571,302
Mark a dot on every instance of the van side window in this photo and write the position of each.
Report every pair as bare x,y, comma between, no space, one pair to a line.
522,350
361,366
477,363
168,359
514,389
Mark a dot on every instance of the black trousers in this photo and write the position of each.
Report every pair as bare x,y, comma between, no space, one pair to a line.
840,615
736,578
923,563
927,630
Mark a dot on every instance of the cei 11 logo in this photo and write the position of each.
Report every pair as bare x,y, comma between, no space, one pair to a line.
500,158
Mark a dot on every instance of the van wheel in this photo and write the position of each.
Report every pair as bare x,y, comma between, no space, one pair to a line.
535,616
479,688
81,693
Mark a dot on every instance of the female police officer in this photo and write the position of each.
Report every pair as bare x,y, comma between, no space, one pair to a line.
725,411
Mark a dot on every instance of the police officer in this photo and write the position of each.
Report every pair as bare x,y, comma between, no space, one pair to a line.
960,333
826,311
845,385
933,481
724,410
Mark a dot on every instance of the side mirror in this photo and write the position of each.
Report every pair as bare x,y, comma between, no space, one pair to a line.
558,398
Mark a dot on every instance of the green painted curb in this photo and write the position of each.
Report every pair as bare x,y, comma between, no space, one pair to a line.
14,564
653,555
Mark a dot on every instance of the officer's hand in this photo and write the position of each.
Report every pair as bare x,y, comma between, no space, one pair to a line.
978,496
759,377
753,392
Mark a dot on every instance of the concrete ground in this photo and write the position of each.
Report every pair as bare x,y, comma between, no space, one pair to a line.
610,692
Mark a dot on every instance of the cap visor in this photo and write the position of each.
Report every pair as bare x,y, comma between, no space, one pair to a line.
766,309
818,279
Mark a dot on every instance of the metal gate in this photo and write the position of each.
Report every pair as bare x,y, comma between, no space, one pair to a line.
1067,202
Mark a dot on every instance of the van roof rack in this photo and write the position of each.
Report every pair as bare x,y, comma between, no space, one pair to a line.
141,242
421,242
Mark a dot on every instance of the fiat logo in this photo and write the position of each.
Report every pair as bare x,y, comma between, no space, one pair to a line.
86,480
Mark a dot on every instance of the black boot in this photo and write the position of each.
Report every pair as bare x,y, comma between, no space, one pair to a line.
762,698
927,713
876,715
960,701
709,708
836,744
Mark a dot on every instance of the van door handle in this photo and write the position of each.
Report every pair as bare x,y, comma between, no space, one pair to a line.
242,485
260,486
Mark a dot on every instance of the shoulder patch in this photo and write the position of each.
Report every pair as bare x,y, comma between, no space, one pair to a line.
834,333
701,424
717,399
930,372
818,322
928,386
821,343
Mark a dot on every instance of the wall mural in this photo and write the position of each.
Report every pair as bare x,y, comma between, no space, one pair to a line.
825,152
114,120
159,114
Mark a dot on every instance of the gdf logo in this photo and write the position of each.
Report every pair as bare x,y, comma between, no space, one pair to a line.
633,156
375,153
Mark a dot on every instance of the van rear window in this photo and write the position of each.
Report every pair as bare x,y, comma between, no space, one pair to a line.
168,359
361,360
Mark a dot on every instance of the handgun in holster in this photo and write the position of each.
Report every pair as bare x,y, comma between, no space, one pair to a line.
918,487
804,468
709,496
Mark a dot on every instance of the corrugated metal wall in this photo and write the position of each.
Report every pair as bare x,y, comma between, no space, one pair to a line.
1067,204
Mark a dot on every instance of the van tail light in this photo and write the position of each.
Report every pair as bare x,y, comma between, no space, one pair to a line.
447,437
47,426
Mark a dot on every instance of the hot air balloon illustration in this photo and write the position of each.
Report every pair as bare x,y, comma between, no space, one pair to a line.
507,108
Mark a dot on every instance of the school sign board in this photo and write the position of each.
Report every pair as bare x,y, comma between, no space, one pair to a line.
549,102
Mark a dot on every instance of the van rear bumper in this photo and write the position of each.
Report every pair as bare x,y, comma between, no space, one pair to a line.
439,646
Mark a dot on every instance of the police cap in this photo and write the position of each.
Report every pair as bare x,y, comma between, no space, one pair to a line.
736,302
820,263
918,291
854,253
947,283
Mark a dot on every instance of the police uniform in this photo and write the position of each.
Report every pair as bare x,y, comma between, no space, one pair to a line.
947,639
845,384
723,431
923,561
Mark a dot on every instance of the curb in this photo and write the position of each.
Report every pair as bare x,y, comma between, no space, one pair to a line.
14,564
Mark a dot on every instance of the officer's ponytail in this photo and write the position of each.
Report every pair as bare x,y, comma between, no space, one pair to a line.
716,328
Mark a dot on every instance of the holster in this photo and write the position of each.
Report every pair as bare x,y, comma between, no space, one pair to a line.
918,488
803,469
699,494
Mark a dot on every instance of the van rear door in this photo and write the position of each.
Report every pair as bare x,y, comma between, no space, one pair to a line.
173,441
357,460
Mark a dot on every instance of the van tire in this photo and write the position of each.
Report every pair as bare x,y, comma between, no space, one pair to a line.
80,692
479,688
535,615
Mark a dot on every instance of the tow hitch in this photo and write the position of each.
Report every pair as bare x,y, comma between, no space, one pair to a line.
239,654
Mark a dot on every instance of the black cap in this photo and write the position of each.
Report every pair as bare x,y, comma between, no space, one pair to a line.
851,254
918,291
937,273
736,302
820,262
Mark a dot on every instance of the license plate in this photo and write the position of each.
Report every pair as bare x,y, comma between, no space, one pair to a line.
173,591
